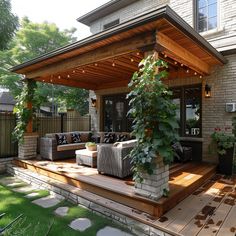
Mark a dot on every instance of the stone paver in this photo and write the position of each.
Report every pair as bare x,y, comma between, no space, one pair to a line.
24,189
61,211
31,195
9,180
110,231
47,202
80,224
15,185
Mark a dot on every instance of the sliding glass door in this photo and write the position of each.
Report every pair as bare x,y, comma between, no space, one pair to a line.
115,108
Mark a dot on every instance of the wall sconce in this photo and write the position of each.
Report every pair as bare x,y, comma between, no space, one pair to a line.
207,91
93,102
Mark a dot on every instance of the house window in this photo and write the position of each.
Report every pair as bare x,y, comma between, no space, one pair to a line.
206,15
111,24
115,114
188,113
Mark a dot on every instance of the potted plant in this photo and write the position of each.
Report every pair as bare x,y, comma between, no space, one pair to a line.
224,144
91,146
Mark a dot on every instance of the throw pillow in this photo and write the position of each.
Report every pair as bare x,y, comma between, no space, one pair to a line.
75,138
109,138
61,139
121,137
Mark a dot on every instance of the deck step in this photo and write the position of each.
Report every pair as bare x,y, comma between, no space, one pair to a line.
132,218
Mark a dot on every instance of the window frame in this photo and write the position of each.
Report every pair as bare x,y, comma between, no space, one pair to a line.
195,17
111,24
183,109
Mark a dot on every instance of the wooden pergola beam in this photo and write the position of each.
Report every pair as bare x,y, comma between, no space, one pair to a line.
107,52
67,82
184,56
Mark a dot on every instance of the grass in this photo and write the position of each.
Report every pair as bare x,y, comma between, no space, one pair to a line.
37,220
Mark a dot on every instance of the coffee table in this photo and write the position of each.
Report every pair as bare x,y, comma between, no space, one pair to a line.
86,157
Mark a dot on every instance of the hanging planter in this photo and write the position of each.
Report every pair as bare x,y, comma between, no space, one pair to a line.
154,126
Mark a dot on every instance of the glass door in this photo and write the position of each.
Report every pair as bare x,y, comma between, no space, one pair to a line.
115,114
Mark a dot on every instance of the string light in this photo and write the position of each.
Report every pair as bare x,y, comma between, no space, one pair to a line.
165,56
200,77
187,70
96,64
43,80
182,64
132,59
195,73
113,64
137,53
59,76
73,71
68,76
83,71
50,80
176,62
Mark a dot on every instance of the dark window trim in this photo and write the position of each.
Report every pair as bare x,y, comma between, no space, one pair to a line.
111,24
115,98
183,111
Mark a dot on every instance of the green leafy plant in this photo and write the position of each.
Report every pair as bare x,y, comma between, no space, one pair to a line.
234,126
23,113
222,141
90,144
155,124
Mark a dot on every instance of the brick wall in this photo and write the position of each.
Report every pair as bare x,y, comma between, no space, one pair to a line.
127,13
222,38
3,164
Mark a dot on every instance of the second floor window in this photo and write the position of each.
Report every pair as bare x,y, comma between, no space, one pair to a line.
207,15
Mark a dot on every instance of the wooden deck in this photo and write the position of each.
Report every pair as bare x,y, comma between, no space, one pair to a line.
184,180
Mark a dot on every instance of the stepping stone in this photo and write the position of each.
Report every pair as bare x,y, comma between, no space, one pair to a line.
61,211
80,224
31,195
47,202
15,184
9,180
108,231
24,189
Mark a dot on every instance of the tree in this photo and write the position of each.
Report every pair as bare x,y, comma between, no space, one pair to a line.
33,40
8,23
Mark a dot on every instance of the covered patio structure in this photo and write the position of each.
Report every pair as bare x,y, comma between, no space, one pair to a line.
104,63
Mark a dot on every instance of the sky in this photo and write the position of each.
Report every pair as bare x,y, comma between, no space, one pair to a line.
61,12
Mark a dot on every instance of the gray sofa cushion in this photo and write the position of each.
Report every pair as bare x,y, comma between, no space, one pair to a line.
71,146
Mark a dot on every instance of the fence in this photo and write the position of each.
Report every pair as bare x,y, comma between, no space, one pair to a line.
7,124
66,122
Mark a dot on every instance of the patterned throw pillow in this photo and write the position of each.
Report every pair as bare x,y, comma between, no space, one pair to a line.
75,138
109,138
61,139
121,137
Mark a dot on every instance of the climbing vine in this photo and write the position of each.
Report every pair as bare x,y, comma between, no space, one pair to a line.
23,113
154,125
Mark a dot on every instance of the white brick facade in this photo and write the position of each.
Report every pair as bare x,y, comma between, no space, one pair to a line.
127,13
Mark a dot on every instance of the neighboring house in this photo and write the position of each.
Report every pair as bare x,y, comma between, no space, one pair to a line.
7,102
126,31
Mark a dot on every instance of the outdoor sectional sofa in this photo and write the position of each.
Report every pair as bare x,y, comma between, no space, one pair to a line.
51,149
113,149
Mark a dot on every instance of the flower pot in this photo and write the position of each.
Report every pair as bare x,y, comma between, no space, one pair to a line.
226,162
92,148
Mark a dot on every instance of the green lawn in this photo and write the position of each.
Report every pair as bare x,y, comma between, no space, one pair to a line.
36,220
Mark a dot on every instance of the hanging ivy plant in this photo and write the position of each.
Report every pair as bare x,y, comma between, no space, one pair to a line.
23,113
155,124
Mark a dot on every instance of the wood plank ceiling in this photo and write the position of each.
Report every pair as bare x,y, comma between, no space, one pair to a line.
110,62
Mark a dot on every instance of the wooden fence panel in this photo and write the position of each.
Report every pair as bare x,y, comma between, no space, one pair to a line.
7,146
